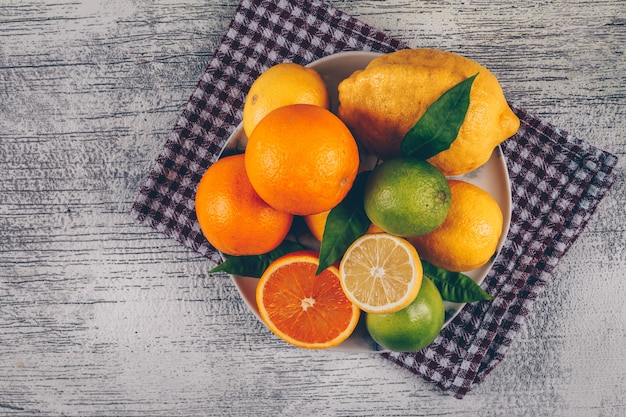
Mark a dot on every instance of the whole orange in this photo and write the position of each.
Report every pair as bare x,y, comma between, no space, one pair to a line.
232,216
302,159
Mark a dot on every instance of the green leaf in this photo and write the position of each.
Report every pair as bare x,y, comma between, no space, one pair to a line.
439,125
346,222
255,265
455,286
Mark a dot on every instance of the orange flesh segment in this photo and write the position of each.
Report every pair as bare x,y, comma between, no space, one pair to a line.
311,310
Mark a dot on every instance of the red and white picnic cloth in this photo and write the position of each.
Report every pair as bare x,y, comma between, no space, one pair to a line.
557,180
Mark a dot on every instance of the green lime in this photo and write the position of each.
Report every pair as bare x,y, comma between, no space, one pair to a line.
412,328
407,197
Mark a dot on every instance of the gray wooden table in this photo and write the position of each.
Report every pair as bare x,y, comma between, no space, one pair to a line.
102,316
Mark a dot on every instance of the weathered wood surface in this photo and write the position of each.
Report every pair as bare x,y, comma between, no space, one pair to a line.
102,316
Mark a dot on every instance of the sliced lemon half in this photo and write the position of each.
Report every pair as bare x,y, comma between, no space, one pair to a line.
381,273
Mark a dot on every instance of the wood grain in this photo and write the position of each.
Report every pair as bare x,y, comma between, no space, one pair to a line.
102,316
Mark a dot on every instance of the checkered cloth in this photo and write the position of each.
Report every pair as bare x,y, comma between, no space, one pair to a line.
557,180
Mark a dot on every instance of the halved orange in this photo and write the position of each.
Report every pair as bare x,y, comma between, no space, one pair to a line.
301,308
381,273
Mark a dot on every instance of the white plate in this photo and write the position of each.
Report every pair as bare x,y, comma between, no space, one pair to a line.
492,177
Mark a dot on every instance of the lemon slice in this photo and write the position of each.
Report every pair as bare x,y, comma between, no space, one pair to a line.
381,273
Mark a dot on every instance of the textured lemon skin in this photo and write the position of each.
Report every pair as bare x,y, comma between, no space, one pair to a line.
382,102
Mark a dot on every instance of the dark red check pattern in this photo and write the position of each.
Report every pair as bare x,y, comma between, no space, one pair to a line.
557,180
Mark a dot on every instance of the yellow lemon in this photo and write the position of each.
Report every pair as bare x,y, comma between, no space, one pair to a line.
469,235
383,102
279,86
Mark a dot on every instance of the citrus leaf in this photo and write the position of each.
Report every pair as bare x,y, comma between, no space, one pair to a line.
254,265
455,286
345,223
439,125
